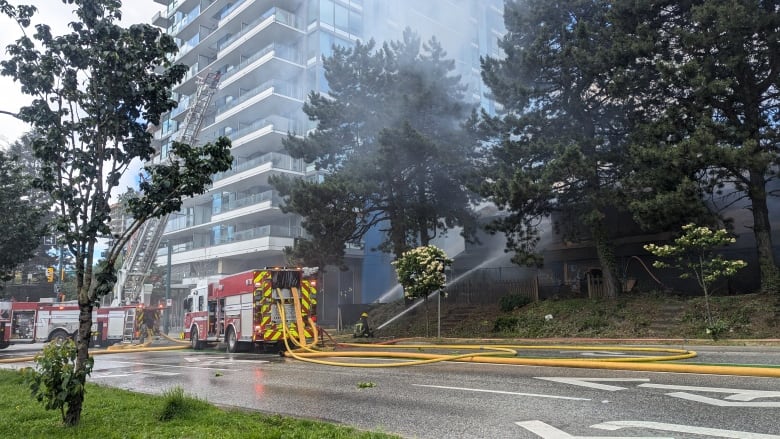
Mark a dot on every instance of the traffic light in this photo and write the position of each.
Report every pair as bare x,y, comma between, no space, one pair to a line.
50,274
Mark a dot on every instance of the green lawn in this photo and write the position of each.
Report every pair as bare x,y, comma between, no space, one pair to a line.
114,413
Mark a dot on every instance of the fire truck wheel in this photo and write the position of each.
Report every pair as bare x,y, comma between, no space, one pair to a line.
196,344
59,336
4,344
232,341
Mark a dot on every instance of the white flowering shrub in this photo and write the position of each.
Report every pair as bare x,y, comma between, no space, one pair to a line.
421,270
694,254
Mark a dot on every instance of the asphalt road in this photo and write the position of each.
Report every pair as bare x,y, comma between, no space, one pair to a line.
465,400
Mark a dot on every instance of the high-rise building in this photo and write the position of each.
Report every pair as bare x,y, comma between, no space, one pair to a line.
269,56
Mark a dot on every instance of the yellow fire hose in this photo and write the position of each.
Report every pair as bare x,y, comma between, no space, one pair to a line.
507,354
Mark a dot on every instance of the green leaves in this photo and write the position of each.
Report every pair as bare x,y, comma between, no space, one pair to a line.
95,91
389,143
22,223
56,380
693,253
420,270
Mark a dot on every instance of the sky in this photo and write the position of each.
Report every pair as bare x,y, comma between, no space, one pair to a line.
57,15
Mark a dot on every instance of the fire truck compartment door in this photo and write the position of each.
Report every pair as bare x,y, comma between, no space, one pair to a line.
116,321
240,307
247,311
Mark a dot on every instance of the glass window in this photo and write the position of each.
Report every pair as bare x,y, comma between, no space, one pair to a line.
326,44
341,18
326,12
355,23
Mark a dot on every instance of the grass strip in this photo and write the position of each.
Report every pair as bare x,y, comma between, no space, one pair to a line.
115,413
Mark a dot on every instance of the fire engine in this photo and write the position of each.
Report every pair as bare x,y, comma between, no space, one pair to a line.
36,322
261,307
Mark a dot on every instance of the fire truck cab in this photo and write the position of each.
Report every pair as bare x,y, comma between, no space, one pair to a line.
246,309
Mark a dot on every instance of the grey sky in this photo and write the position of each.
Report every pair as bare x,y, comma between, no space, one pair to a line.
57,15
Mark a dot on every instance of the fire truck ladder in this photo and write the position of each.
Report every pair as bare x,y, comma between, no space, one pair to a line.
136,267
128,331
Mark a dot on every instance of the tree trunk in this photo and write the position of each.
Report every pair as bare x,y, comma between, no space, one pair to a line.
75,404
606,255
770,278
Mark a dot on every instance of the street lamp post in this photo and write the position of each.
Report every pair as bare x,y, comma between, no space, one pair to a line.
167,324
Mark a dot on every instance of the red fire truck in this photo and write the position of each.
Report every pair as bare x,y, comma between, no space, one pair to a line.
253,308
36,322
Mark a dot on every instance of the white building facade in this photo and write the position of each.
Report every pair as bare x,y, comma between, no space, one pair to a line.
269,55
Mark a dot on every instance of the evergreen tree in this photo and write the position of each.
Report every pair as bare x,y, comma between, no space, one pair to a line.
389,143
559,145
707,72
22,224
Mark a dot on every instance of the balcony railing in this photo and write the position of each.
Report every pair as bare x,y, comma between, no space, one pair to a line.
280,87
239,203
280,51
277,160
278,123
279,16
244,235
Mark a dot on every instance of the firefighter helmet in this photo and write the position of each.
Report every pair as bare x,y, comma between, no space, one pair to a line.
365,314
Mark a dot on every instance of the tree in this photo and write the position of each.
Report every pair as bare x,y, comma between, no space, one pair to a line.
710,67
558,146
22,224
421,271
44,255
694,254
388,143
94,91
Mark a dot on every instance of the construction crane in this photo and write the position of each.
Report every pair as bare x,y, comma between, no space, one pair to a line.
129,287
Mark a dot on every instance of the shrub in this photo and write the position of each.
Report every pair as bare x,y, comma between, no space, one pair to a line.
506,324
512,302
693,253
55,382
421,271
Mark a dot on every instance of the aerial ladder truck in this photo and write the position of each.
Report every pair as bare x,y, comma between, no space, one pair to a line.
129,287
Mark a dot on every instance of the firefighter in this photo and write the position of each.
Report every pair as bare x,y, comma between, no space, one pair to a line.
361,327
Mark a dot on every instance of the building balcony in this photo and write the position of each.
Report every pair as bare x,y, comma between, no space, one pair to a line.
258,239
272,61
271,97
264,135
160,20
254,172
275,24
257,203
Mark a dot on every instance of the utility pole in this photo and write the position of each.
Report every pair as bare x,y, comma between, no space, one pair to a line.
167,323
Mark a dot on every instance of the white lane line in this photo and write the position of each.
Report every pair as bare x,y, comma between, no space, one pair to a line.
593,383
547,431
721,402
704,431
736,394
503,392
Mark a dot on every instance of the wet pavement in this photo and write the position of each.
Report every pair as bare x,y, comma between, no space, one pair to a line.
466,400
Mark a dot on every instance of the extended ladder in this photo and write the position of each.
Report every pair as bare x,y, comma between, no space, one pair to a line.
147,239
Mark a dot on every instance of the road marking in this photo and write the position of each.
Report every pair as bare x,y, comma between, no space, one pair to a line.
737,397
160,373
547,431
593,383
503,392
721,402
110,375
704,431
736,394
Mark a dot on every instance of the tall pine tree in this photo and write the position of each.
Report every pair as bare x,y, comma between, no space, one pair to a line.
389,141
